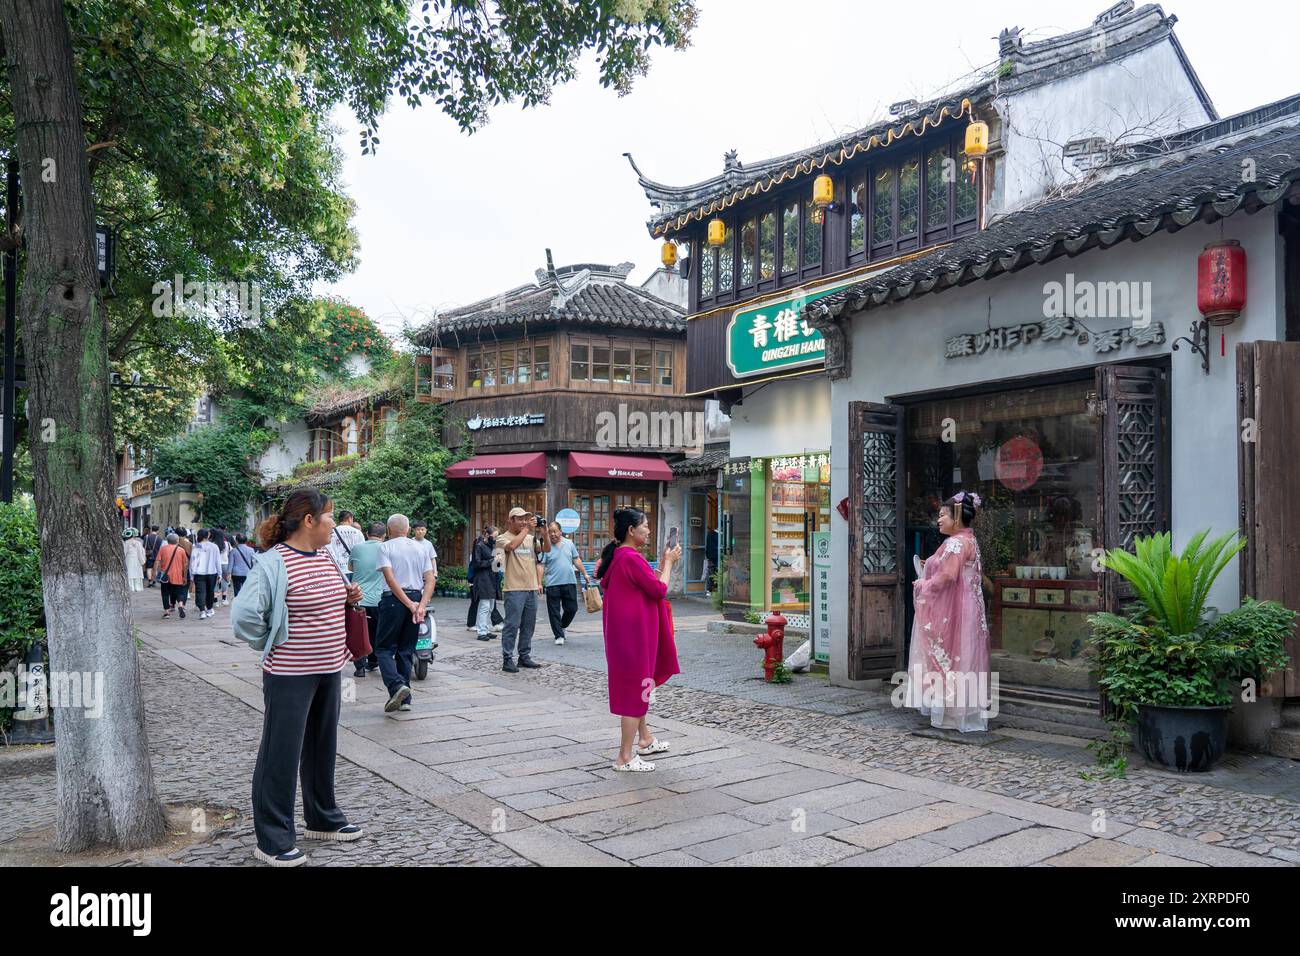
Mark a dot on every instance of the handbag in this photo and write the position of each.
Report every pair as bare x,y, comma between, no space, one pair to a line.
594,602
356,626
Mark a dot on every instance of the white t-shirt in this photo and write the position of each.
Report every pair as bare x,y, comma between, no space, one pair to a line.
409,560
428,546
351,537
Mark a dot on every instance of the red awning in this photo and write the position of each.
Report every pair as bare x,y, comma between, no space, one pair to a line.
585,464
525,465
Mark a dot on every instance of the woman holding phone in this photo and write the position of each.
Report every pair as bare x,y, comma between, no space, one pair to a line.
638,626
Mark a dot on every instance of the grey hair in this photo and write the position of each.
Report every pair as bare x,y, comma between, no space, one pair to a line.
173,538
398,524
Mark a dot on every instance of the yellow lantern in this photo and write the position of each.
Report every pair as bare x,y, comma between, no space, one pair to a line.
717,232
977,138
668,255
823,191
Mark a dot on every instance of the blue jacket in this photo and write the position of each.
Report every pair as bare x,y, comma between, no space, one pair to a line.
259,614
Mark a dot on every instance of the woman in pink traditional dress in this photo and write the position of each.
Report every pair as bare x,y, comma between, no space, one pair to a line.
638,625
948,666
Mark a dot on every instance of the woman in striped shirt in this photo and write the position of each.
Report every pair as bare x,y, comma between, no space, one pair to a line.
294,597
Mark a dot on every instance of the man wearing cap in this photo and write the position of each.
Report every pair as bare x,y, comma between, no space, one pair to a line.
523,582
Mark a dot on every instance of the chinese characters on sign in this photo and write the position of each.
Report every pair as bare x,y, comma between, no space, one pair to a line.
772,336
1051,330
800,463
821,607
509,421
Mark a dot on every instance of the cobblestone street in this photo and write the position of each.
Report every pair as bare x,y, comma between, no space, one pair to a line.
499,769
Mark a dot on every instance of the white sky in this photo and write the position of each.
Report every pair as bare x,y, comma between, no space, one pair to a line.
445,219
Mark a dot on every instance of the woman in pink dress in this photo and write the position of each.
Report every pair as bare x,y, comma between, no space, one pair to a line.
638,625
948,667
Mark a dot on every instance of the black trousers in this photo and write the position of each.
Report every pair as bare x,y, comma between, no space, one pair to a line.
174,594
561,606
299,737
237,582
204,589
396,643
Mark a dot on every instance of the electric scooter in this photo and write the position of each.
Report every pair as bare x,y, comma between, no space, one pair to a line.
425,645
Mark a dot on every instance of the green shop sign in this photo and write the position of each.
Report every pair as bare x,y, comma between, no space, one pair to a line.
772,337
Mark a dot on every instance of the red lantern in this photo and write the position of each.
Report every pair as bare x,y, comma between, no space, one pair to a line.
1221,281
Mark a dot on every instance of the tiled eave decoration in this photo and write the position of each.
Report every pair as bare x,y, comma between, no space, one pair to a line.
881,136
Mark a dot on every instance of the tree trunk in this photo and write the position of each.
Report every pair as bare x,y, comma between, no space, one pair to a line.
106,790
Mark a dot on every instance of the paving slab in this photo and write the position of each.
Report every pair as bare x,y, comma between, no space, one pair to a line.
814,851
905,825
913,852
760,838
779,785
673,836
1017,849
1100,853
645,816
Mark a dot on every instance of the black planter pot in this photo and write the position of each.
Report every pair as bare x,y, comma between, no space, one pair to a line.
1186,739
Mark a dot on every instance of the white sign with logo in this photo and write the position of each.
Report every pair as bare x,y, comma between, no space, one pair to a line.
478,423
820,631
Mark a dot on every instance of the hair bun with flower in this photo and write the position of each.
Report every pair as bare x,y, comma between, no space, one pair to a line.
974,497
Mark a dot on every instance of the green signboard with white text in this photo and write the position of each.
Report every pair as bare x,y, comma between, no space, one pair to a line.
773,338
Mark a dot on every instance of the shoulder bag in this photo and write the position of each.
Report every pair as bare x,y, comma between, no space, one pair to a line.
162,575
356,627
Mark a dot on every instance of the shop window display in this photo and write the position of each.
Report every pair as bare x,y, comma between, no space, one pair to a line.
1031,455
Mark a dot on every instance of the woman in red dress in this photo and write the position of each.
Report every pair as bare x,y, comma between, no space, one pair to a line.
638,625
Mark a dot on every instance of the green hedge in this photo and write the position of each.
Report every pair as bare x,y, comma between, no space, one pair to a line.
22,616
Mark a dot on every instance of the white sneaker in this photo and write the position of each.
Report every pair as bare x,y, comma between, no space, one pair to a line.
559,640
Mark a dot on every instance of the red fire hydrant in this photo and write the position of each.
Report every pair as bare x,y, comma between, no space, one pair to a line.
771,644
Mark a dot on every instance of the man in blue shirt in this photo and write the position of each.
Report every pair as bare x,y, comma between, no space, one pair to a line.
365,572
561,567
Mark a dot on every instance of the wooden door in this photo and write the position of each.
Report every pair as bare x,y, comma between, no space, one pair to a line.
1268,394
1132,464
876,514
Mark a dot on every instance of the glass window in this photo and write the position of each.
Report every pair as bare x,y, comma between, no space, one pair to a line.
909,196
790,237
767,245
967,198
882,219
642,362
390,423
858,214
623,366
444,372
706,272
475,369
725,258
599,364
936,188
489,368
524,365
748,250
579,357
663,367
542,363
812,237
508,366
1031,455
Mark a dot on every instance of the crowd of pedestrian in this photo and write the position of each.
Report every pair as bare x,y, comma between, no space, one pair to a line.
293,581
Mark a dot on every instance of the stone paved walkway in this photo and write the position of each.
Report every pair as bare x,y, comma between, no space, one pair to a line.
493,768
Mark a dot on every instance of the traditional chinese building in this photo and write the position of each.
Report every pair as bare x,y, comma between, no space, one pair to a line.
571,389
763,240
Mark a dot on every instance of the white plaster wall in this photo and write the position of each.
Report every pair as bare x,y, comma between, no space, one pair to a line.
783,417
289,450
899,349
1144,95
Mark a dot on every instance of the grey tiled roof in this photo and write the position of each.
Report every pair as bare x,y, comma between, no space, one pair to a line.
703,464
1206,183
588,294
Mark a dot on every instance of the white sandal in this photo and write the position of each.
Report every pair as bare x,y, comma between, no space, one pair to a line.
635,765
656,747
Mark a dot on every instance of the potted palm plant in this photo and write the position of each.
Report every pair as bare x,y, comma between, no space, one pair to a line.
1171,663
